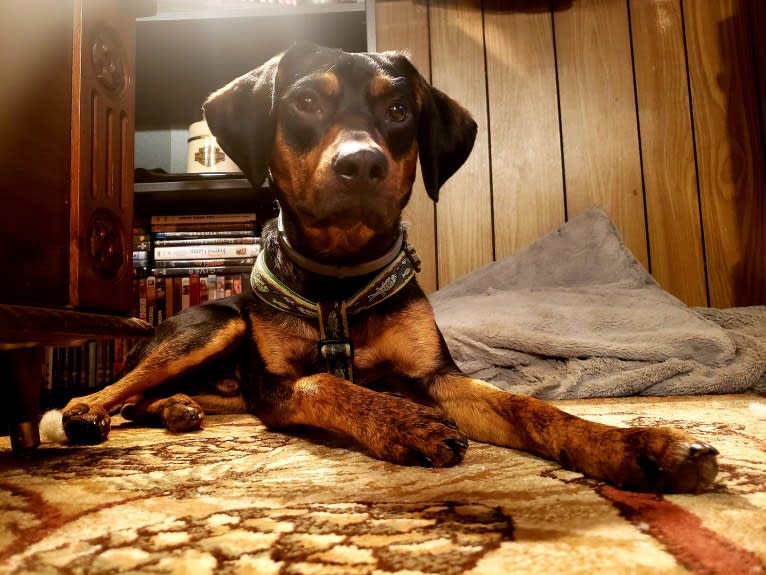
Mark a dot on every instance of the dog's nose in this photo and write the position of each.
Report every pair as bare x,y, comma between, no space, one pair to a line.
361,165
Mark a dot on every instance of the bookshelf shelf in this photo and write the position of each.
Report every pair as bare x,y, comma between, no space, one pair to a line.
204,195
172,11
197,184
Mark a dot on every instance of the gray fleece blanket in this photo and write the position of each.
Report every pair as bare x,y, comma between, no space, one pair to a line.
575,315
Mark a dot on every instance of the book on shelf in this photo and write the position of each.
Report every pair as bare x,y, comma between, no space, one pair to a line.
194,284
204,263
68,371
170,299
211,290
141,282
204,293
142,247
92,351
151,298
140,258
202,219
202,270
208,241
206,251
160,300
185,292
47,379
198,219
209,227
195,232
180,226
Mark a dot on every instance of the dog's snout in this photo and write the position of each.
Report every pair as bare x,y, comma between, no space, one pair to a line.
361,165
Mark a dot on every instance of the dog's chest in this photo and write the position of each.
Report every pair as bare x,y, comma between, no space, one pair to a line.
405,343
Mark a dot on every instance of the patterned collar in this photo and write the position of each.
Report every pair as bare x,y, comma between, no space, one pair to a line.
339,272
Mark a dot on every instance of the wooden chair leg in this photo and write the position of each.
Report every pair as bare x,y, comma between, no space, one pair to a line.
21,371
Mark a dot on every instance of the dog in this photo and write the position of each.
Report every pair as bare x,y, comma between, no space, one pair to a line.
334,332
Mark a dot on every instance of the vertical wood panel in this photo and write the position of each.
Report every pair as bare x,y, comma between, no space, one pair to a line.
403,25
464,214
670,180
757,9
527,182
729,149
757,246
601,154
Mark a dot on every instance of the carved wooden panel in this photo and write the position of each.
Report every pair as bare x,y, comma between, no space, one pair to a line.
102,207
66,167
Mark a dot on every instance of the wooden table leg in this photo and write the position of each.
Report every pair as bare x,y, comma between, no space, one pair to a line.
21,371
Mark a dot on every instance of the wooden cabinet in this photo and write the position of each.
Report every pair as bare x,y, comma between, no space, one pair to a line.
66,162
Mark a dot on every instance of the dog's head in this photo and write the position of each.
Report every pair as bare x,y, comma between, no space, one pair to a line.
340,134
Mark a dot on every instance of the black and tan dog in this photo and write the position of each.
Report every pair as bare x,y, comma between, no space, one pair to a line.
335,333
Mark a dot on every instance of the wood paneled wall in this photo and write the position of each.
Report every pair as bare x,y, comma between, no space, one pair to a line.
651,109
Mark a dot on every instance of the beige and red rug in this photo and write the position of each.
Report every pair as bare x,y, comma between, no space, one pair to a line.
236,498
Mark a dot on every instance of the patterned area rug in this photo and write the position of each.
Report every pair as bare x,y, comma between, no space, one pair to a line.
236,498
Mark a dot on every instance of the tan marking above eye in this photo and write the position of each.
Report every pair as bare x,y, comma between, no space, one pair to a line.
379,85
328,84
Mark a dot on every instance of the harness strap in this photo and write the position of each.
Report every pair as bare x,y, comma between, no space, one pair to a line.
334,343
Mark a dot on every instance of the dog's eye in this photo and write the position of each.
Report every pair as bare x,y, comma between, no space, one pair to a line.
397,112
308,104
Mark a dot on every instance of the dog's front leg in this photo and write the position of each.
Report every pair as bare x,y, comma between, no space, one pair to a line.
637,458
392,428
180,345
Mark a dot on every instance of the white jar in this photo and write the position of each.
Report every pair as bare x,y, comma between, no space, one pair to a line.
204,154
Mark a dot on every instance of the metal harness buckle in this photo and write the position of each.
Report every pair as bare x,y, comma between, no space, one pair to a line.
338,353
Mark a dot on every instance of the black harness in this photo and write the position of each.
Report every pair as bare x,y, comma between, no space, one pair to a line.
335,345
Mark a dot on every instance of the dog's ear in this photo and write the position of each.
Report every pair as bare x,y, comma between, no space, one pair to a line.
446,130
446,135
241,114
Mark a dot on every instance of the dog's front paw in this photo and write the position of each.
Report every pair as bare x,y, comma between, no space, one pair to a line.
181,413
666,460
86,425
423,437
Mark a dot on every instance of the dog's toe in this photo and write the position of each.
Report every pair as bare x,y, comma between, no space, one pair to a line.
457,445
452,450
445,454
694,471
86,425
668,460
430,442
181,414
